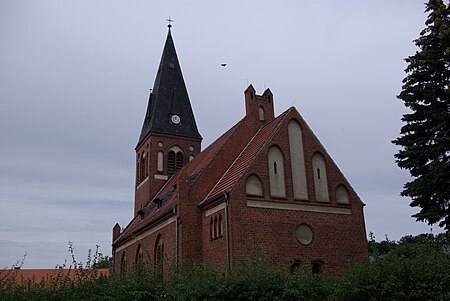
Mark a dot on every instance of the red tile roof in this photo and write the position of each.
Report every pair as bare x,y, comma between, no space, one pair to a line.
195,166
153,216
248,154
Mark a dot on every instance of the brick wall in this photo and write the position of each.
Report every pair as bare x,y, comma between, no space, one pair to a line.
147,191
148,245
338,238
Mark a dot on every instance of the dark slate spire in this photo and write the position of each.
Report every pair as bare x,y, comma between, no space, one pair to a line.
169,109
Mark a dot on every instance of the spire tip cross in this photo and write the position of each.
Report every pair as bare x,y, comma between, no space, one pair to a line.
170,21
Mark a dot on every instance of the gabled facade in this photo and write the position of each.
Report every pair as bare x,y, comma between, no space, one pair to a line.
266,184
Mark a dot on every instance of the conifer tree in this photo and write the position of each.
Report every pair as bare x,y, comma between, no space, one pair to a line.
425,136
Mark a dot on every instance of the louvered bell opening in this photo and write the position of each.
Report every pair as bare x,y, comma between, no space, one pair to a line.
171,163
179,161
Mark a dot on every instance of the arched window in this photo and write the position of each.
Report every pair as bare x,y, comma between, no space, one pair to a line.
160,162
276,172
171,163
295,267
317,267
175,160
123,263
215,227
297,161
142,167
253,186
320,178
261,114
220,226
159,256
139,254
342,195
145,165
179,161
138,174
211,226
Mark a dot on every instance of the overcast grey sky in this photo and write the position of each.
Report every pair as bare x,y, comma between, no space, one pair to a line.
74,84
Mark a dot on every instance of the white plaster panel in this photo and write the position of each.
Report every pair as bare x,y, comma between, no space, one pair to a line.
298,207
276,177
253,186
320,178
215,209
297,161
161,177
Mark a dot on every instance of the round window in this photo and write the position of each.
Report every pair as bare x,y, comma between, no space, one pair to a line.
304,234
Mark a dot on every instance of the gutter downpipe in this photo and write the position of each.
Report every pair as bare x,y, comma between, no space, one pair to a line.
227,238
174,210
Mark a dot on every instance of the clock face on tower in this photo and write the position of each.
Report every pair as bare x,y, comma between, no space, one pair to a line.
175,119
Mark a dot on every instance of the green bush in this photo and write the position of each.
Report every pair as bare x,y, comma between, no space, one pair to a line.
415,268
418,270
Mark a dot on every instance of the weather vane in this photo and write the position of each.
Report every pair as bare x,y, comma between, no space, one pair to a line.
170,21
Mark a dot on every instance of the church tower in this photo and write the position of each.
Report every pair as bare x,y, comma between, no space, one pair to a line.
169,136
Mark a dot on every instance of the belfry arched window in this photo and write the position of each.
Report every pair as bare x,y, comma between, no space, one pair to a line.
175,160
179,161
142,167
138,170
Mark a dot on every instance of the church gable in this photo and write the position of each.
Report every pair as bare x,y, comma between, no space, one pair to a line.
285,161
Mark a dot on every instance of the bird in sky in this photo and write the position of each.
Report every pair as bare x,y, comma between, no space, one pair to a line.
223,64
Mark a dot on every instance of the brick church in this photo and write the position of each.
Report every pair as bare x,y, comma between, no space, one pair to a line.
266,184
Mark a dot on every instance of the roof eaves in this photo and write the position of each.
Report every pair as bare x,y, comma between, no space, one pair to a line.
169,211
218,196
